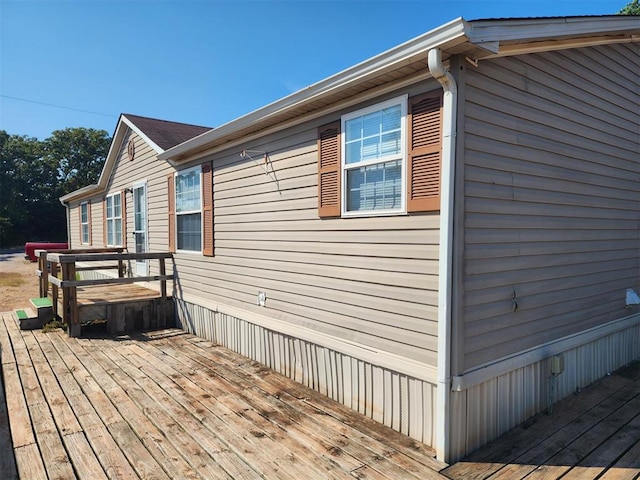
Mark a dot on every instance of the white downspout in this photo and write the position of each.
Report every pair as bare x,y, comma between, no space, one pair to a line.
67,222
445,285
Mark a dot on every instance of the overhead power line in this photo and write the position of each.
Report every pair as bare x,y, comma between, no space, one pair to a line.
57,106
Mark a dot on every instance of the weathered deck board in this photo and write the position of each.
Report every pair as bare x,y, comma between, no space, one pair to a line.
7,459
109,294
594,434
165,405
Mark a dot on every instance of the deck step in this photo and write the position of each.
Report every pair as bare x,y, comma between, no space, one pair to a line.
26,313
43,302
28,319
41,313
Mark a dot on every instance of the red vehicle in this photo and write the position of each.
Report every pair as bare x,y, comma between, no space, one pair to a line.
31,247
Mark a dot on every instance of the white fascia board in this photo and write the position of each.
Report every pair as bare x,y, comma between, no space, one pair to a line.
456,29
502,366
375,356
78,194
539,29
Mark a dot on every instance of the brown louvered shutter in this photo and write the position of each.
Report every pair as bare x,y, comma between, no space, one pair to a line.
123,212
329,170
207,210
171,193
425,144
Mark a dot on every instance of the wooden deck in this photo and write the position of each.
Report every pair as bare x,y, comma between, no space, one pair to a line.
167,405
592,434
106,294
125,307
120,317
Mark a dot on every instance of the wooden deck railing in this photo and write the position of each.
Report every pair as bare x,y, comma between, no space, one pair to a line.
51,263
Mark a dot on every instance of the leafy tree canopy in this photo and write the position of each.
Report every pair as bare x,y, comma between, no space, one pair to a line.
34,174
632,8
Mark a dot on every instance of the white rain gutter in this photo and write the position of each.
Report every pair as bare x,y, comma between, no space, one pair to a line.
445,283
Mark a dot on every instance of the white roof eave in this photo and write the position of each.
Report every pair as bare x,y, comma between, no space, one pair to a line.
483,39
452,31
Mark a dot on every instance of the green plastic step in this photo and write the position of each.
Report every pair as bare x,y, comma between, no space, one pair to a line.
25,315
41,302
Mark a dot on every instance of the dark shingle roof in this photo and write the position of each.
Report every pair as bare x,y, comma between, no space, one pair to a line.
166,134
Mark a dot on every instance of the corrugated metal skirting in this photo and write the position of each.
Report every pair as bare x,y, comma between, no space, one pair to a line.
483,412
401,402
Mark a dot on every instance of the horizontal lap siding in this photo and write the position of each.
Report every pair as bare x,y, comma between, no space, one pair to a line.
144,167
372,281
551,197
74,225
97,222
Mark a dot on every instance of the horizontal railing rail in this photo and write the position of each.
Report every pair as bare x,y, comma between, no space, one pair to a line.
62,263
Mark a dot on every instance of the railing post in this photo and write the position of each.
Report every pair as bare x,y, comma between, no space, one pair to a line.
70,300
43,266
163,282
54,289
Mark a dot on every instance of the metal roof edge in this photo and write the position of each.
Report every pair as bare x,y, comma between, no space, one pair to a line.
80,193
536,29
447,32
482,35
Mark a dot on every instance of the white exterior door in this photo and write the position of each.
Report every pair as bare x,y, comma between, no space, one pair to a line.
140,226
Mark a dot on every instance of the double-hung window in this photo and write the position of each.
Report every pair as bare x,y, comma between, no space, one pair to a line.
373,159
84,223
383,159
114,219
188,210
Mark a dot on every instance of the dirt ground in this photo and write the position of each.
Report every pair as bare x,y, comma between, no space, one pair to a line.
18,280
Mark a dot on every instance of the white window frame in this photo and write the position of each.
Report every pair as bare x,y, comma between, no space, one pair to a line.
188,212
84,224
112,220
402,156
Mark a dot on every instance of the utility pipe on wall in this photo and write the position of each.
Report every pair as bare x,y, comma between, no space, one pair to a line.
445,284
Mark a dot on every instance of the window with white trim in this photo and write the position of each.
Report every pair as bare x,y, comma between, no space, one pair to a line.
114,219
373,159
189,210
84,223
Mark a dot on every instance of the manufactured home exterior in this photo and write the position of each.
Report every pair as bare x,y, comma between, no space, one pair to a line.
121,208
416,237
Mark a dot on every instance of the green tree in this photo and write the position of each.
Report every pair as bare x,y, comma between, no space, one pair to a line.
78,154
35,174
632,8
22,182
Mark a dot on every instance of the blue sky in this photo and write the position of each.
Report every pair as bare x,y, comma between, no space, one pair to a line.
203,62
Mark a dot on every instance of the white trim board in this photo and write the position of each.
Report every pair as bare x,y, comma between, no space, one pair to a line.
396,363
507,364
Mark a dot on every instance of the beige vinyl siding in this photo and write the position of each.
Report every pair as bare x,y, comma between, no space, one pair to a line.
372,281
551,197
97,223
74,225
144,167
95,204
